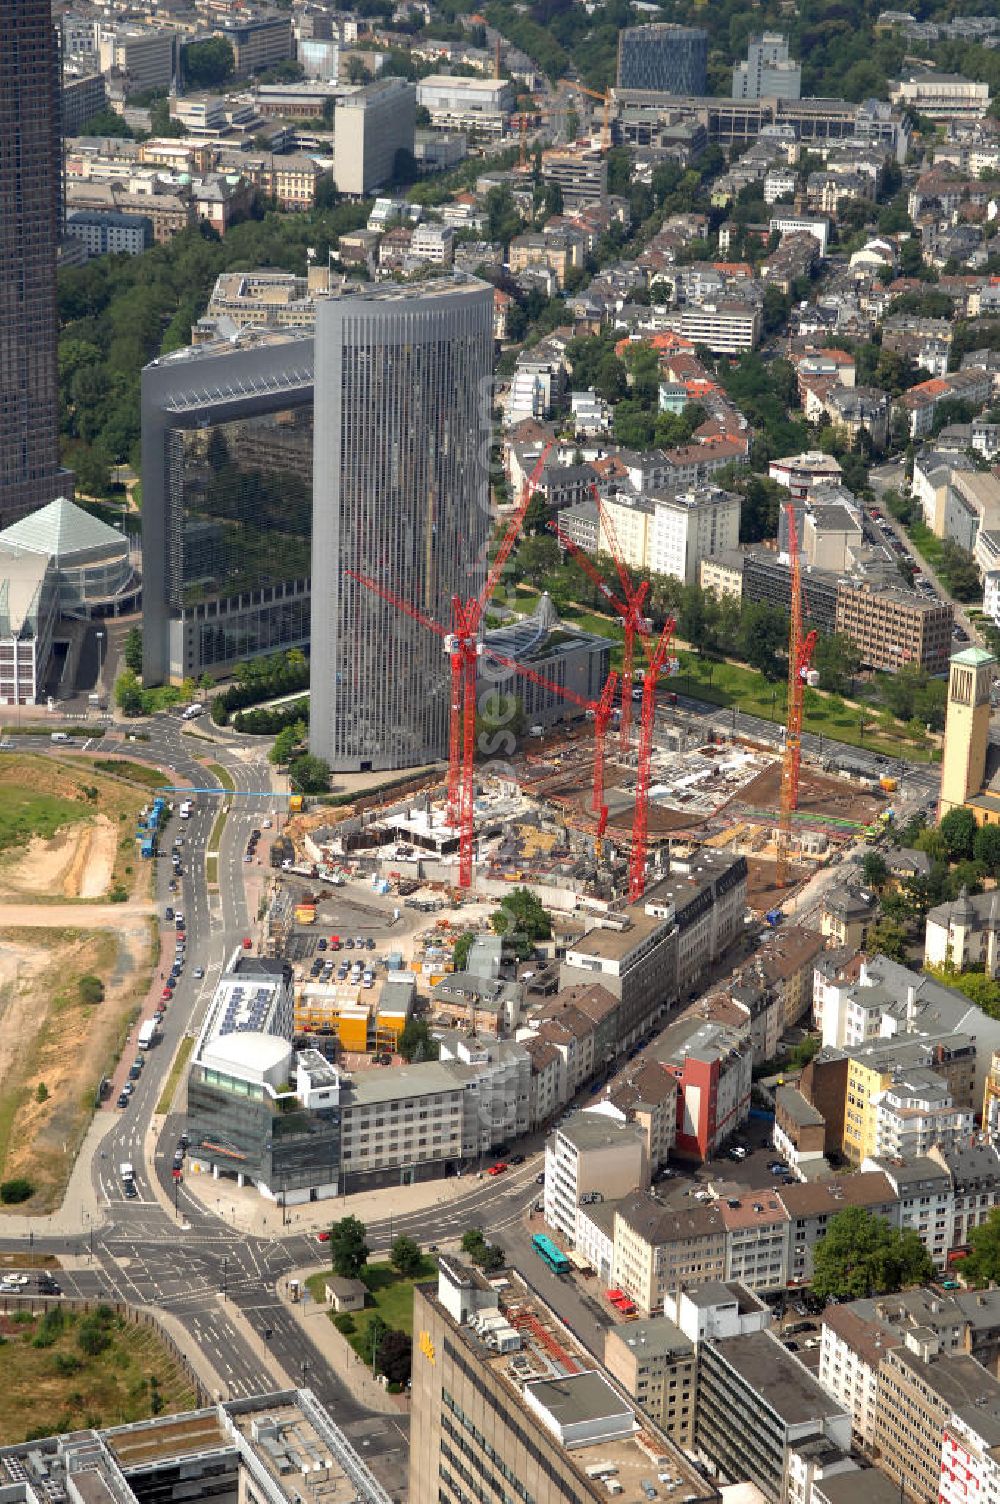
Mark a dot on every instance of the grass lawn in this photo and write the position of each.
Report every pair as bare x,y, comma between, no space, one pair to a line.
390,1295
176,1070
138,772
25,813
59,1387
221,774
824,715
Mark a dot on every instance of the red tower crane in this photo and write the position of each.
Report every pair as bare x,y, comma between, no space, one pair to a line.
630,613
640,821
463,647
800,652
602,711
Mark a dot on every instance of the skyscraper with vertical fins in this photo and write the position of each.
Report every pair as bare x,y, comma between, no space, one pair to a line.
31,212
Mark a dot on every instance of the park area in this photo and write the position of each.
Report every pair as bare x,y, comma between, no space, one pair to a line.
389,1302
76,952
65,1369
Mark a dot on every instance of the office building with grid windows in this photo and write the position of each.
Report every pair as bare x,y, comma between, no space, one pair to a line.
31,214
403,385
671,59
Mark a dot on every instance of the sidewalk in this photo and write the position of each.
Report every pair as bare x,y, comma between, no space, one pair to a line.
246,1210
314,1320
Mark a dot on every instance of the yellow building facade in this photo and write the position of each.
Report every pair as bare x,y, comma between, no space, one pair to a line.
863,1084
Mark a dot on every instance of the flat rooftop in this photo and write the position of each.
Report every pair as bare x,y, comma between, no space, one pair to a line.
770,1369
564,1378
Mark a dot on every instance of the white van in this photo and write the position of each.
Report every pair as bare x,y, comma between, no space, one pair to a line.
192,712
60,736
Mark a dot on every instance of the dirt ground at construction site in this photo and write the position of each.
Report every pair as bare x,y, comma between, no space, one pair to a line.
824,797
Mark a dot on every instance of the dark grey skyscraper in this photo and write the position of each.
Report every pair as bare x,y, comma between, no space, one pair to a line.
30,223
671,59
400,493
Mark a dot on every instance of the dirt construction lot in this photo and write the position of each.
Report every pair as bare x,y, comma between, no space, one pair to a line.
819,796
67,845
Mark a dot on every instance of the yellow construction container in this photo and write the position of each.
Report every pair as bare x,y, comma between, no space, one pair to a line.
888,785
352,1027
305,913
295,803
392,1022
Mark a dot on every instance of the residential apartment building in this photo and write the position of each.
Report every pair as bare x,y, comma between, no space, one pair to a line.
637,965
756,1405
756,1226
975,1178
810,1207
712,1063
915,1112
590,1155
110,234
852,1346
919,1389
970,1455
767,72
689,528
579,172
370,128
725,328
480,1421
401,1125
924,1200
705,898
659,1250
655,1364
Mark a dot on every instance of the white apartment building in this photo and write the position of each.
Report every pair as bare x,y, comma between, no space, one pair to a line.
925,1202
916,1112
779,182
496,1077
590,1155
595,1238
691,527
481,105
795,224
727,328
369,128
970,1458
631,520
434,244
849,1355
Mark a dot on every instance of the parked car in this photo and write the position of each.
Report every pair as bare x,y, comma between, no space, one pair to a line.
516,1159
123,1099
498,1168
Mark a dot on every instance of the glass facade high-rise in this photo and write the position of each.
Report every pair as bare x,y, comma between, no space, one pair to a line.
668,58
403,388
227,465
31,209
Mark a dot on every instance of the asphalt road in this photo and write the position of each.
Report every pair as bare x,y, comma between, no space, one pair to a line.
193,1264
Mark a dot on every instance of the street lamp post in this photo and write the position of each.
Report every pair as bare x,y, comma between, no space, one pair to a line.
100,659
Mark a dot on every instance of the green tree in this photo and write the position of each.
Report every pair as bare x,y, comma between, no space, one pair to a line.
464,943
763,638
286,742
536,559
888,938
416,1042
132,651
986,848
522,912
837,661
348,1249
310,774
862,1255
473,1241
405,1256
394,1356
13,1192
874,871
208,64
959,831
90,989
128,693
982,1265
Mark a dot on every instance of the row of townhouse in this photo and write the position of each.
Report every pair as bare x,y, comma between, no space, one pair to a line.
764,1238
